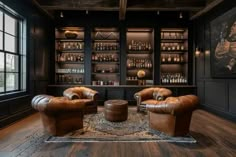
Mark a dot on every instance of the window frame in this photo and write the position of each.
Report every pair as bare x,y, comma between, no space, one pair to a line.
19,53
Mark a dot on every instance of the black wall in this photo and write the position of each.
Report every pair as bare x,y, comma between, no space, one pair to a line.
217,95
40,30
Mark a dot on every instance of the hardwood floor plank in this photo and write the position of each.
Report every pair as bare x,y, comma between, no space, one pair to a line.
215,137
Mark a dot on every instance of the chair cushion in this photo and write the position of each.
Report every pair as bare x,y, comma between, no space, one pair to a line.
149,101
87,102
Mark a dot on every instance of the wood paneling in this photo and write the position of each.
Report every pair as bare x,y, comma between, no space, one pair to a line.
219,97
207,47
232,97
115,93
216,94
39,29
201,92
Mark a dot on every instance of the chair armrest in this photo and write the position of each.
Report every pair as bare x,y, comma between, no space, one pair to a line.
73,93
144,95
89,93
164,92
174,105
40,102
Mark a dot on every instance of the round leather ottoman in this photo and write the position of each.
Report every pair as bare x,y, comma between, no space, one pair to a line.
116,110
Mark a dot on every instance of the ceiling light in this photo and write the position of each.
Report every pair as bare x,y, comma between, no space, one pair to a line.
158,13
180,15
87,12
61,14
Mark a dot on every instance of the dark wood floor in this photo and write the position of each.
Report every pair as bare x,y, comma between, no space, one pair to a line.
215,136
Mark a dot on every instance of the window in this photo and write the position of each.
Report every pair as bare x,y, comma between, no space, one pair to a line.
12,51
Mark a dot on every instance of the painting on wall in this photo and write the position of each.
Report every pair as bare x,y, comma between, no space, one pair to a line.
223,45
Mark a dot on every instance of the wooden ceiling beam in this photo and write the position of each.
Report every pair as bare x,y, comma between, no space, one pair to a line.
44,10
206,9
164,9
81,8
123,5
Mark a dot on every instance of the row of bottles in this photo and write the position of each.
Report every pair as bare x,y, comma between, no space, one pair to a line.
69,45
104,70
132,78
70,57
104,58
173,35
68,70
176,58
106,46
139,63
139,45
102,82
69,79
173,47
173,78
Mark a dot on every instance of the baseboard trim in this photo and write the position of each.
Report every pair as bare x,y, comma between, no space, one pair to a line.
222,114
15,117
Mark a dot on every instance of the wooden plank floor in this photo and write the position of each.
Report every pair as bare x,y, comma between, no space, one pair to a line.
215,136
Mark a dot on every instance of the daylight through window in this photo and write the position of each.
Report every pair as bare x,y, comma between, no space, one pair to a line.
12,51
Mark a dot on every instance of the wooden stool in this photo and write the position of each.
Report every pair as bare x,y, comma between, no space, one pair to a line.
116,110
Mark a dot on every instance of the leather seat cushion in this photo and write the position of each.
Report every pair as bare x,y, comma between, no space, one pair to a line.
149,101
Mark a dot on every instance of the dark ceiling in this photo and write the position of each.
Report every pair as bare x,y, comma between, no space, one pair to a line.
194,7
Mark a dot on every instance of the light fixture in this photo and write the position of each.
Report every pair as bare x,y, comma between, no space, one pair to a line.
86,12
158,13
197,51
61,14
207,52
180,15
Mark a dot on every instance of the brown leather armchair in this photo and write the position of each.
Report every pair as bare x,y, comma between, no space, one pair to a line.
150,96
59,115
83,94
172,115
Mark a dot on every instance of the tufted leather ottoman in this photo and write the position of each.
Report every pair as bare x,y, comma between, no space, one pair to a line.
116,110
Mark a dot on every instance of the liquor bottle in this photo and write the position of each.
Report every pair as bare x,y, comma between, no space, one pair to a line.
181,59
81,58
163,46
173,47
177,47
163,59
169,58
178,58
175,59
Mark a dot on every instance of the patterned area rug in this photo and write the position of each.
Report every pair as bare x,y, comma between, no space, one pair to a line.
134,129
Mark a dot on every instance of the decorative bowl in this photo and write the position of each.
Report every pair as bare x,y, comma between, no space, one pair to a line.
70,35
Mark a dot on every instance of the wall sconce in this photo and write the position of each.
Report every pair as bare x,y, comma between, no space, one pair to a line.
197,51
207,52
61,14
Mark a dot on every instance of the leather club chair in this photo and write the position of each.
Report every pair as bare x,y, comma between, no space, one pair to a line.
83,94
172,115
150,96
59,115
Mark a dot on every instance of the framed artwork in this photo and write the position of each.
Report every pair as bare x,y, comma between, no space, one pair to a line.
223,45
